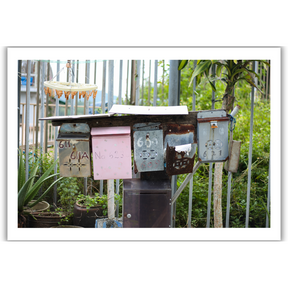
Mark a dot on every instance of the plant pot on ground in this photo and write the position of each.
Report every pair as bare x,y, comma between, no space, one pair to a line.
28,190
41,206
48,219
87,209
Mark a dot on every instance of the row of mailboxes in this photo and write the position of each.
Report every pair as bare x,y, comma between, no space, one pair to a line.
171,149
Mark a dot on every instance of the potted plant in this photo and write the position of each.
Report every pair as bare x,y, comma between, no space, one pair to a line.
87,209
27,190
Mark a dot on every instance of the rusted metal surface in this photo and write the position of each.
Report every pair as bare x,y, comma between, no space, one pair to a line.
201,120
179,134
179,162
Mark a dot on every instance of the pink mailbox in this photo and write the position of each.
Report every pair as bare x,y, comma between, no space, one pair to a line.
111,148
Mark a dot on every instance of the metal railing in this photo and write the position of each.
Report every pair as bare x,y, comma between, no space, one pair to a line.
134,95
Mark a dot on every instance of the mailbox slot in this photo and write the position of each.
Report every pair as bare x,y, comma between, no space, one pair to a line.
212,134
74,150
111,148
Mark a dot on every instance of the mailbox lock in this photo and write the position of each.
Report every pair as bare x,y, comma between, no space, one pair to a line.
128,215
213,124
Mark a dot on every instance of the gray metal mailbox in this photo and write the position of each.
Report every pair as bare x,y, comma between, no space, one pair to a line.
212,136
148,147
74,150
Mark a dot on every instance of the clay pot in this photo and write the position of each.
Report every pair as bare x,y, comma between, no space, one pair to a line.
86,219
46,219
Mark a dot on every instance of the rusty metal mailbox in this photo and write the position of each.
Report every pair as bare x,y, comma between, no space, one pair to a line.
179,148
212,134
148,147
74,150
111,148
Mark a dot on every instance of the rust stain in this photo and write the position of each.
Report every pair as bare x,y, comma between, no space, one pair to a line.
202,120
177,163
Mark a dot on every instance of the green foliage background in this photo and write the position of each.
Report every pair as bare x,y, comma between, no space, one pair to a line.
260,159
260,154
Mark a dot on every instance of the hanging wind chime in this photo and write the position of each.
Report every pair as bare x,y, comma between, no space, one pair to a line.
57,88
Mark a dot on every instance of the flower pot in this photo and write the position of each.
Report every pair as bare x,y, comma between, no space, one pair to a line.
39,207
86,219
22,221
46,219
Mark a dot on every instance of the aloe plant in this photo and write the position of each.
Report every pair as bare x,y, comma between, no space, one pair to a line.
27,190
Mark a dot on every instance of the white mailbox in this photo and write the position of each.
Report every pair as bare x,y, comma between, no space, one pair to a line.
212,136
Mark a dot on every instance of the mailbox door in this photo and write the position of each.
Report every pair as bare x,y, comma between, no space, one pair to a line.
74,157
146,203
212,137
180,148
148,150
111,148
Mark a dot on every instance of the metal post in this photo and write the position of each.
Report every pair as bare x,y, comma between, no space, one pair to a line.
55,137
174,84
120,82
94,99
37,104
42,108
27,118
72,80
191,181
210,164
143,84
86,108
163,78
110,83
229,182
149,84
138,81
126,101
87,80
268,200
110,182
133,83
103,96
173,100
119,102
77,95
46,111
66,102
155,83
19,93
250,155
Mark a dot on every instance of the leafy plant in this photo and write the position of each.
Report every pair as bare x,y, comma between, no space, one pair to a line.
68,191
102,201
27,190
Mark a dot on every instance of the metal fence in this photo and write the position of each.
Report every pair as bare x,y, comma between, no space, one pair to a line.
41,135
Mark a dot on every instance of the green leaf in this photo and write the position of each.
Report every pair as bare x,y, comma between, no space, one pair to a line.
32,193
21,171
239,71
218,70
200,68
182,64
22,193
44,194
